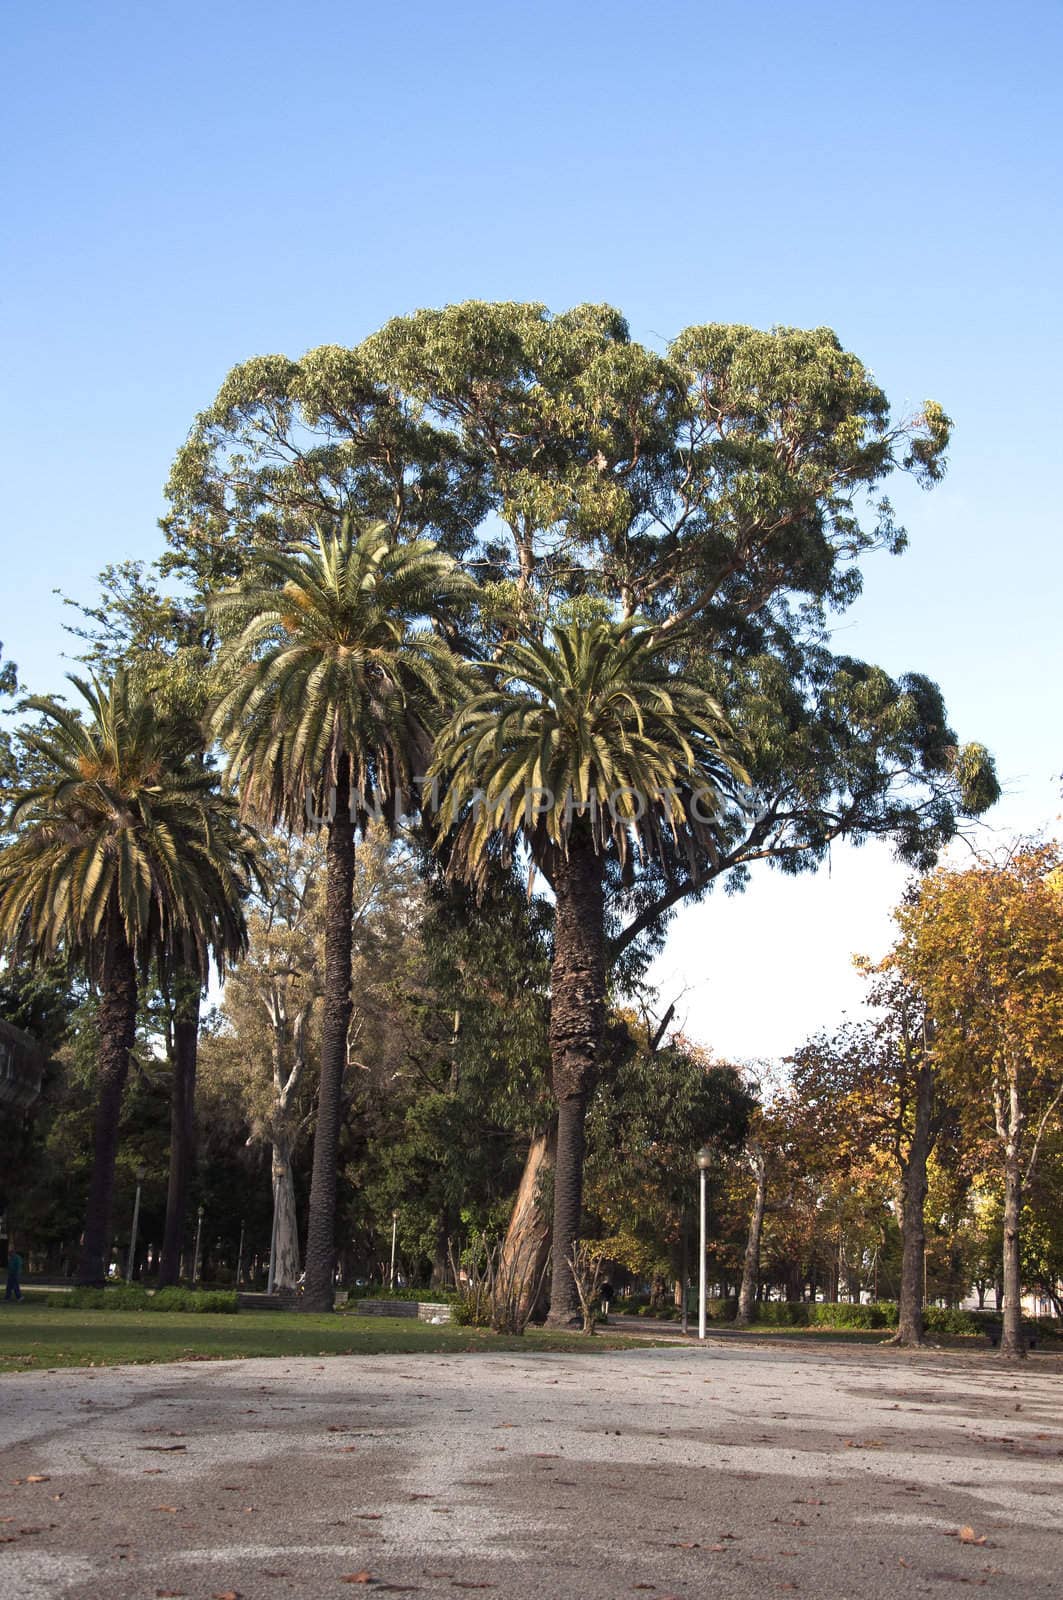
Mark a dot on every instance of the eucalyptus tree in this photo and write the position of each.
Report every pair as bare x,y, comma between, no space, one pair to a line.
121,857
587,744
731,481
728,484
332,679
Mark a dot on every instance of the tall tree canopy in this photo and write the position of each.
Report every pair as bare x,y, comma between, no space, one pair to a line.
730,482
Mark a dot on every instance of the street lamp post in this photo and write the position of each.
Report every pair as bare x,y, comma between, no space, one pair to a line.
394,1231
199,1232
141,1174
704,1162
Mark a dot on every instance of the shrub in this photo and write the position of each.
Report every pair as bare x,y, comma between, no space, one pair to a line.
495,1293
840,1314
782,1314
939,1319
115,1297
131,1297
200,1300
439,1297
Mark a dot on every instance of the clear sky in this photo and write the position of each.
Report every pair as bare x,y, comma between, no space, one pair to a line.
188,185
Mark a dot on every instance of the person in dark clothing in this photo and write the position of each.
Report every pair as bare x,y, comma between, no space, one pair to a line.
606,1292
14,1272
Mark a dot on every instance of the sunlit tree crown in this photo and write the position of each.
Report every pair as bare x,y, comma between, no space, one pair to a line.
119,829
333,655
594,727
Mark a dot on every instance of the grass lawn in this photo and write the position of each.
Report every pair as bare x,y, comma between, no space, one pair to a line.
36,1335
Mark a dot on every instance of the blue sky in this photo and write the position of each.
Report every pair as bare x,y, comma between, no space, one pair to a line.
186,186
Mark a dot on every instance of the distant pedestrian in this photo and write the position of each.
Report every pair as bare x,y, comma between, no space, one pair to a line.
606,1292
14,1271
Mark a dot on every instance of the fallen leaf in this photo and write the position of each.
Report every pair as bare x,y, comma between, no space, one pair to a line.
162,1447
171,1509
38,1477
357,1577
227,1594
967,1535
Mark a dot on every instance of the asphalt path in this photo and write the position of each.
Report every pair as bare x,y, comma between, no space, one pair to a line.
688,1471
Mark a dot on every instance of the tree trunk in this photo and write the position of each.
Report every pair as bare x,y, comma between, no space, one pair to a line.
116,1025
318,1294
527,1244
286,1265
441,1254
577,1019
1009,1118
747,1294
182,1122
912,1196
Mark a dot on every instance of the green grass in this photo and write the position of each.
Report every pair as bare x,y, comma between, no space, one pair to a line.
36,1336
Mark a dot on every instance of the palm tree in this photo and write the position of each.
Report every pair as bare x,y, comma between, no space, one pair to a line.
586,746
122,857
335,680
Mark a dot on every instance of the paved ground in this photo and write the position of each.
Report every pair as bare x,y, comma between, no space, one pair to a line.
679,1472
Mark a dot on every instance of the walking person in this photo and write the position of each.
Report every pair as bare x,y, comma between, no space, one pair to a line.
14,1272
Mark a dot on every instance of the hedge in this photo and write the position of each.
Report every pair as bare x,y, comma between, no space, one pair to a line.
130,1297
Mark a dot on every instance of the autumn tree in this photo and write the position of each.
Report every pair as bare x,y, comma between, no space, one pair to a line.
984,947
873,1084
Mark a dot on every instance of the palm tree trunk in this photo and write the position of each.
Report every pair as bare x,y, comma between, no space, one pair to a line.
339,908
747,1294
116,1024
182,1122
577,1018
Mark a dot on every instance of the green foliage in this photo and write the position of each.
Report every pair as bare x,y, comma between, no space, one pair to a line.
115,1297
131,1297
595,724
843,1315
732,482
325,661
941,1319
204,1301
442,1297
120,827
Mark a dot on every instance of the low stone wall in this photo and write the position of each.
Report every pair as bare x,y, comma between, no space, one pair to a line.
423,1310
